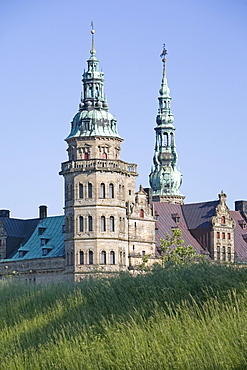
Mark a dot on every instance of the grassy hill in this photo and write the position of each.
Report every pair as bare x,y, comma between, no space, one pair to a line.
174,318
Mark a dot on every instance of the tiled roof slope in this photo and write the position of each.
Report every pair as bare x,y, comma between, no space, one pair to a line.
240,243
19,228
52,228
198,215
166,223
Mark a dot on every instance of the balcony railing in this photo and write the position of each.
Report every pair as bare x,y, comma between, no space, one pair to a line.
98,164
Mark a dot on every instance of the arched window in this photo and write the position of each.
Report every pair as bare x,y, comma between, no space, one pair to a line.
90,190
165,139
141,213
112,224
90,223
81,258
103,258
223,235
86,155
103,225
111,191
80,191
104,155
102,190
223,220
81,224
112,258
90,258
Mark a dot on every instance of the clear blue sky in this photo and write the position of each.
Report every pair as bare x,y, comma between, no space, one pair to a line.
44,48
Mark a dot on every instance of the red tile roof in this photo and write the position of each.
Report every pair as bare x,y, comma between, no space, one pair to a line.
239,233
166,223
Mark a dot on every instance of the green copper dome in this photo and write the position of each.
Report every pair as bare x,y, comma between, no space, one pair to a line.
94,123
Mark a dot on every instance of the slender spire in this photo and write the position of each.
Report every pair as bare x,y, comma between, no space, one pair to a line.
93,118
165,179
93,51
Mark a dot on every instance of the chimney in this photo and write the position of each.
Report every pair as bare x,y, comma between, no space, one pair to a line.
42,212
4,213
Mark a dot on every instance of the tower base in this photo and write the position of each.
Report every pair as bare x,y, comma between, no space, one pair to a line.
174,199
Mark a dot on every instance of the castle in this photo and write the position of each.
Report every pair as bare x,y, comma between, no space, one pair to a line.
107,226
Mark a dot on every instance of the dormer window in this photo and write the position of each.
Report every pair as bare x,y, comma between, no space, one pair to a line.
245,237
41,230
223,220
45,251
176,217
43,241
22,253
242,223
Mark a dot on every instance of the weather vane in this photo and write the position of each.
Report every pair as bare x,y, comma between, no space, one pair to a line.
163,54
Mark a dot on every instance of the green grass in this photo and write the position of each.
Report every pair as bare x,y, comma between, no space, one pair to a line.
176,318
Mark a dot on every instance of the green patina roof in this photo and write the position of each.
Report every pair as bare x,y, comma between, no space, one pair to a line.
93,118
164,178
52,228
94,123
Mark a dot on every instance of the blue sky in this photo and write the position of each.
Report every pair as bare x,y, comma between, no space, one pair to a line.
44,48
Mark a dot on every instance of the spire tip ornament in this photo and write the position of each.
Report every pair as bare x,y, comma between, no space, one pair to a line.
93,51
163,55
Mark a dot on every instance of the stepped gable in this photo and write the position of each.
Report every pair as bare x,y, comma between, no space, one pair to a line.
169,216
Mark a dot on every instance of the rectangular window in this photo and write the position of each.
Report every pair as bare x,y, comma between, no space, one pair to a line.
229,254
218,253
217,235
229,236
0,242
223,235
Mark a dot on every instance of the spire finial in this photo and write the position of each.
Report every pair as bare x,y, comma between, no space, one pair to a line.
163,55
92,32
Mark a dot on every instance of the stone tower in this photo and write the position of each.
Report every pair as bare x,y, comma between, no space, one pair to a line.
108,227
165,180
